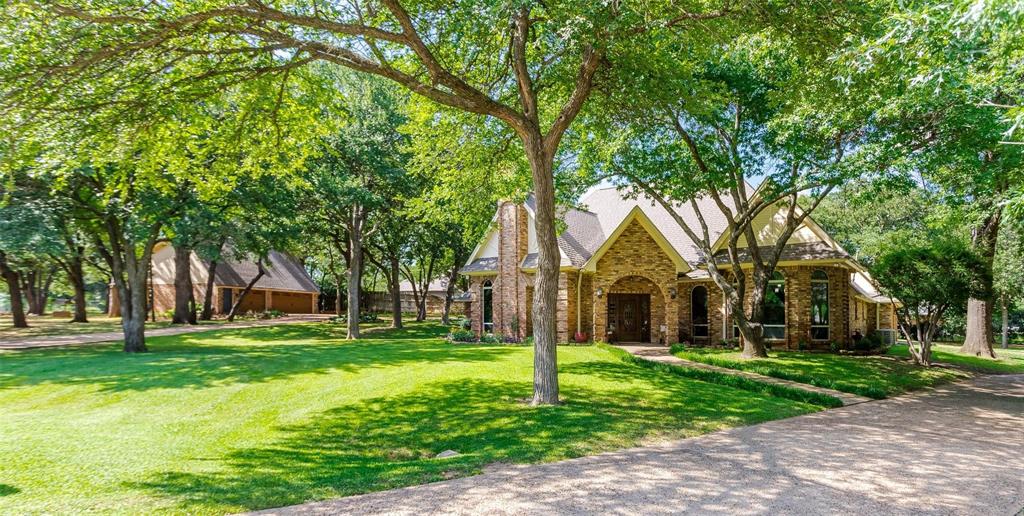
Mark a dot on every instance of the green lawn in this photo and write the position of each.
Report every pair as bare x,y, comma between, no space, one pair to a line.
871,376
49,326
1007,360
245,419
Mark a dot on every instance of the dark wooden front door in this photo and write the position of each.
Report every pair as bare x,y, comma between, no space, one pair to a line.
630,317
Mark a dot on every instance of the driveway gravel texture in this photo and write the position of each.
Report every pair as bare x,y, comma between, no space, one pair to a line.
958,449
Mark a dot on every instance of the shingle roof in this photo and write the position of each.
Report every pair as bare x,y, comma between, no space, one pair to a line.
481,265
437,286
603,210
582,236
863,284
610,208
792,252
283,272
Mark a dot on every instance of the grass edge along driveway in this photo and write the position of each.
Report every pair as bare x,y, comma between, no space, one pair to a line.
871,376
237,420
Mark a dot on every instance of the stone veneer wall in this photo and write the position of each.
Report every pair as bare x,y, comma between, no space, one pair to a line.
636,254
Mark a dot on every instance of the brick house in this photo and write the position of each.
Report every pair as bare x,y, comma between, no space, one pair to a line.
286,286
628,272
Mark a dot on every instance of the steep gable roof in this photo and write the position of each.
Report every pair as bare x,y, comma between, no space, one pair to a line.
637,214
283,272
603,211
610,208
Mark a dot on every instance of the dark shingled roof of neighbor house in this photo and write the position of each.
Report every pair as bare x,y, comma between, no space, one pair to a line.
283,272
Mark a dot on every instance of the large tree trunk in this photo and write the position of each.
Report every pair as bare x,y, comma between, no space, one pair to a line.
76,276
753,340
396,292
979,338
183,313
14,288
1006,321
545,292
419,298
44,292
36,287
133,303
449,293
355,278
260,271
30,289
339,306
211,272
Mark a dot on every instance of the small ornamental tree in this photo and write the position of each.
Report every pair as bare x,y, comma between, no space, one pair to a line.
927,281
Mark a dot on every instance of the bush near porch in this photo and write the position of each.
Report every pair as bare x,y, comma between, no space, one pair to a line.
235,420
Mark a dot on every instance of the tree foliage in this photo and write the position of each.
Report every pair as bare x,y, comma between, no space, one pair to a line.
928,280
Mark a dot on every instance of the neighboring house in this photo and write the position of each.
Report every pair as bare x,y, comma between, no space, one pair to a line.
286,286
436,291
630,273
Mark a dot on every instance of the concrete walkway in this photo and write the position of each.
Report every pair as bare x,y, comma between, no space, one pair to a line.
955,450
98,338
661,354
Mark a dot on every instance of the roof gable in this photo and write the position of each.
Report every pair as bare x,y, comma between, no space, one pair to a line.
611,208
283,272
637,214
768,226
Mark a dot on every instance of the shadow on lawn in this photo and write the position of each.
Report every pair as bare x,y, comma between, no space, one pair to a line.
6,490
235,356
390,442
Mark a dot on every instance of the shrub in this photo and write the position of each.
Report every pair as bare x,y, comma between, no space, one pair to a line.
461,336
490,338
873,342
367,317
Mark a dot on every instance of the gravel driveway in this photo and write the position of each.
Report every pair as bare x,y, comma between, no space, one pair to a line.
955,450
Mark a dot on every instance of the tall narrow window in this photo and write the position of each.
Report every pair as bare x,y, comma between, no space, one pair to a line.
488,295
819,305
775,308
699,311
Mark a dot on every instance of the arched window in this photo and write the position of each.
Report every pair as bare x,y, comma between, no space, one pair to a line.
775,308
699,311
819,305
488,310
